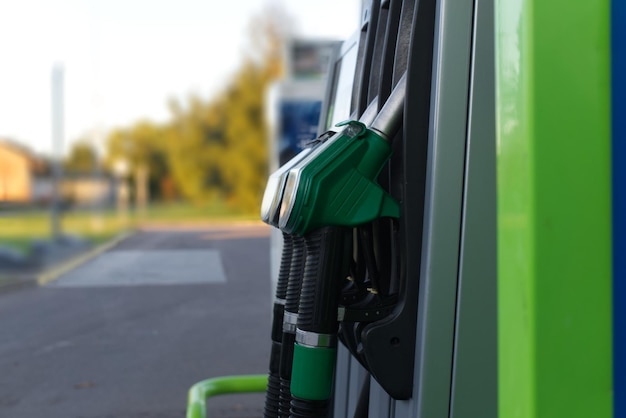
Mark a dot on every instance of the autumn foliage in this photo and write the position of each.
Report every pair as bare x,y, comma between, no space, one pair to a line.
211,148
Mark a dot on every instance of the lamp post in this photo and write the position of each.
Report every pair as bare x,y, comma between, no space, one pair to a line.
57,147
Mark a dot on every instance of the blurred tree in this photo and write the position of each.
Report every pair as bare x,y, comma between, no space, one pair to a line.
219,149
213,149
268,32
244,168
82,158
195,144
142,146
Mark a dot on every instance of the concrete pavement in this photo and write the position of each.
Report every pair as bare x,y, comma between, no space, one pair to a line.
123,336
33,274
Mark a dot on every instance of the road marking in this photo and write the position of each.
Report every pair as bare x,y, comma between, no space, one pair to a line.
57,271
155,267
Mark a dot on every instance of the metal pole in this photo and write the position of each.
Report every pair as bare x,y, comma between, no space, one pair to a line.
57,148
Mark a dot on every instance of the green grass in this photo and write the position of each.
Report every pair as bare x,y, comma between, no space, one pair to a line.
17,230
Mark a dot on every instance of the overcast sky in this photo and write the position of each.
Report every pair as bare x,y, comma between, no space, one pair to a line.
124,58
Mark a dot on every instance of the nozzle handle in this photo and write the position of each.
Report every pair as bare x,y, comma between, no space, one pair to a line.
327,264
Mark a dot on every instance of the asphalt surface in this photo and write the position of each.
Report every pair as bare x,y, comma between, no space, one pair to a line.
85,346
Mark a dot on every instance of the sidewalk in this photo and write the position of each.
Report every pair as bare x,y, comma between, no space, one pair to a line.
14,278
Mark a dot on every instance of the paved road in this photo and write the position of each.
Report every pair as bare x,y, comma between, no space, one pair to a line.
128,333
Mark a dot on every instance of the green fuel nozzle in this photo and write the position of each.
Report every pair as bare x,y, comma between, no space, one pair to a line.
335,185
326,194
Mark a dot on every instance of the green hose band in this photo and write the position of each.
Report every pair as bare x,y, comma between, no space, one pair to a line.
313,371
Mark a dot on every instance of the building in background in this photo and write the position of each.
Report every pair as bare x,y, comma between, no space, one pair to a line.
19,170
26,180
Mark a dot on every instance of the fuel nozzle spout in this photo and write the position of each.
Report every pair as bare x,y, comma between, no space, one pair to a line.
370,112
389,119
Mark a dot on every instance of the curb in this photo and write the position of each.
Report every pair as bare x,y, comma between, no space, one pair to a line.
57,271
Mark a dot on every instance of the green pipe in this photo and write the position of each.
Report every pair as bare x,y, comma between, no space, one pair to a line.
198,394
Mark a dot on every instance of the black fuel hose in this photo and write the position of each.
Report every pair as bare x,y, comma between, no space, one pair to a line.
272,394
292,302
327,264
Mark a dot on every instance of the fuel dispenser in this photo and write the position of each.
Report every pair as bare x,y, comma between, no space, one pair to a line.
317,202
390,299
385,304
363,201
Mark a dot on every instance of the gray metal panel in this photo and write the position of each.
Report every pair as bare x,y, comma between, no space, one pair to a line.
342,382
442,217
357,376
349,377
381,404
474,388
